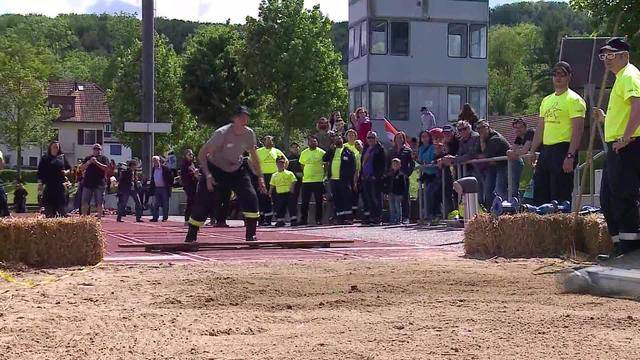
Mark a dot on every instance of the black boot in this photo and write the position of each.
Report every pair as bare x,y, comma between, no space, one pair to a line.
119,219
192,234
250,225
617,251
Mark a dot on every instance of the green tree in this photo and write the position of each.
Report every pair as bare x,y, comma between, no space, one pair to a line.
25,117
82,66
125,98
212,80
289,57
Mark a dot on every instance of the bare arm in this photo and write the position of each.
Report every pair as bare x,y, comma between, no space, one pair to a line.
576,134
204,152
634,119
537,137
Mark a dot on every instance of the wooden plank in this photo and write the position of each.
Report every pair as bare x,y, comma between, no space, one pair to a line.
195,246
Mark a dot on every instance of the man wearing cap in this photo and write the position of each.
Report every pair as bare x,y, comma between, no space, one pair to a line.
450,140
94,167
221,165
560,131
493,144
621,178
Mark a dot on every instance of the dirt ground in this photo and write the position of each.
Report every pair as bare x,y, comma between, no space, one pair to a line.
439,308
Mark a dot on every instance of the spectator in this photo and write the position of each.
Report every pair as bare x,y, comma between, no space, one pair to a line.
20,198
469,115
352,144
521,146
282,184
469,149
427,119
560,131
361,123
267,155
161,184
426,156
333,119
95,168
313,171
52,170
172,163
111,172
340,163
450,141
373,170
443,175
126,189
402,151
296,168
4,201
189,180
324,133
493,144
339,127
398,186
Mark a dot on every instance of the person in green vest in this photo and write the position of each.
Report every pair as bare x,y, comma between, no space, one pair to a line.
340,163
267,155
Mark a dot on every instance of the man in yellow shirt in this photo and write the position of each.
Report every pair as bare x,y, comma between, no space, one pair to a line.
282,184
559,131
619,193
340,163
352,137
312,163
267,155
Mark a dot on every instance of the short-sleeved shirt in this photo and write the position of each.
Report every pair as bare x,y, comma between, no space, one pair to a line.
335,164
94,176
627,86
268,159
313,165
528,136
229,147
557,112
282,181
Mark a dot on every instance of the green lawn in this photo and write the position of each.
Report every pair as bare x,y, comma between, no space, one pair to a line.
32,189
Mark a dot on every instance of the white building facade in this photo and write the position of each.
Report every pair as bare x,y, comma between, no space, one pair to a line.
409,54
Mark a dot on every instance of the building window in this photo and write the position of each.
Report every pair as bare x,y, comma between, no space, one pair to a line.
478,100
363,98
399,102
352,32
399,38
456,97
357,96
478,41
33,161
379,37
457,40
356,42
352,100
115,149
364,43
108,131
378,101
87,137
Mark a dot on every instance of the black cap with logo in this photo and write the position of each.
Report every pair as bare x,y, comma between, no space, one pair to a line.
616,44
242,110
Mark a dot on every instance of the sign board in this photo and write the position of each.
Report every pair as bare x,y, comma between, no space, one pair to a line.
142,127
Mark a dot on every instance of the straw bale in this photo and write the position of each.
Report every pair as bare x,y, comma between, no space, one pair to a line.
529,235
51,242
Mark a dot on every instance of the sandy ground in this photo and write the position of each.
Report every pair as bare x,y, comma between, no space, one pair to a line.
440,308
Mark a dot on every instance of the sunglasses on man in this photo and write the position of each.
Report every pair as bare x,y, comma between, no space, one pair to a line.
610,56
463,128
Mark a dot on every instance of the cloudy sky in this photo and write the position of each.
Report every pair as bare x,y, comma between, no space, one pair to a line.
196,10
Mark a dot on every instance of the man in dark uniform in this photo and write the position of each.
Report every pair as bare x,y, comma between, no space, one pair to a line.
126,189
221,164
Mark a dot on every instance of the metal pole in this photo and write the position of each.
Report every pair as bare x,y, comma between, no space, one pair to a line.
592,176
444,210
148,80
509,180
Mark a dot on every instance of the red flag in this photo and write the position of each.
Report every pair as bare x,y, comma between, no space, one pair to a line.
390,130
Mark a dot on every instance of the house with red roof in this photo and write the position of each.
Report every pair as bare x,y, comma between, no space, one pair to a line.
85,119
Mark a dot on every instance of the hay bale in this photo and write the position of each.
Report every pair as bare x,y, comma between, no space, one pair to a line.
530,235
51,243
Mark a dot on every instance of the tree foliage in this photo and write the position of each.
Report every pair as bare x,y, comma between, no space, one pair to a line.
289,56
25,117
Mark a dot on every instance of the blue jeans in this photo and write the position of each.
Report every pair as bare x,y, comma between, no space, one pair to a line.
372,196
495,183
161,199
395,208
516,173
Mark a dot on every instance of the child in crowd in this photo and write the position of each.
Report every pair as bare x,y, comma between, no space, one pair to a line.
397,183
282,186
20,198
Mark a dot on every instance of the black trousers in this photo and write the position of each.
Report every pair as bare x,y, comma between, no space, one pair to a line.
283,203
53,200
266,209
222,208
619,194
316,189
406,210
341,198
190,192
549,180
238,182
123,199
4,202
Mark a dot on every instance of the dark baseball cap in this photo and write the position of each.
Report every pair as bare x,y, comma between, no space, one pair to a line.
448,128
563,65
616,44
242,110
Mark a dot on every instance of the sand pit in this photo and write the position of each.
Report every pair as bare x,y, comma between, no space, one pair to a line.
444,307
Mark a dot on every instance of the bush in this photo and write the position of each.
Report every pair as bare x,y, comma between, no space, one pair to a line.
10,175
51,242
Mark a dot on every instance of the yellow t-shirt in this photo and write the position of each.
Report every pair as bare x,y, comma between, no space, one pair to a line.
268,158
557,112
313,165
335,164
282,181
627,85
356,153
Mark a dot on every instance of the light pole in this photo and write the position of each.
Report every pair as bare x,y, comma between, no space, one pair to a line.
148,82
